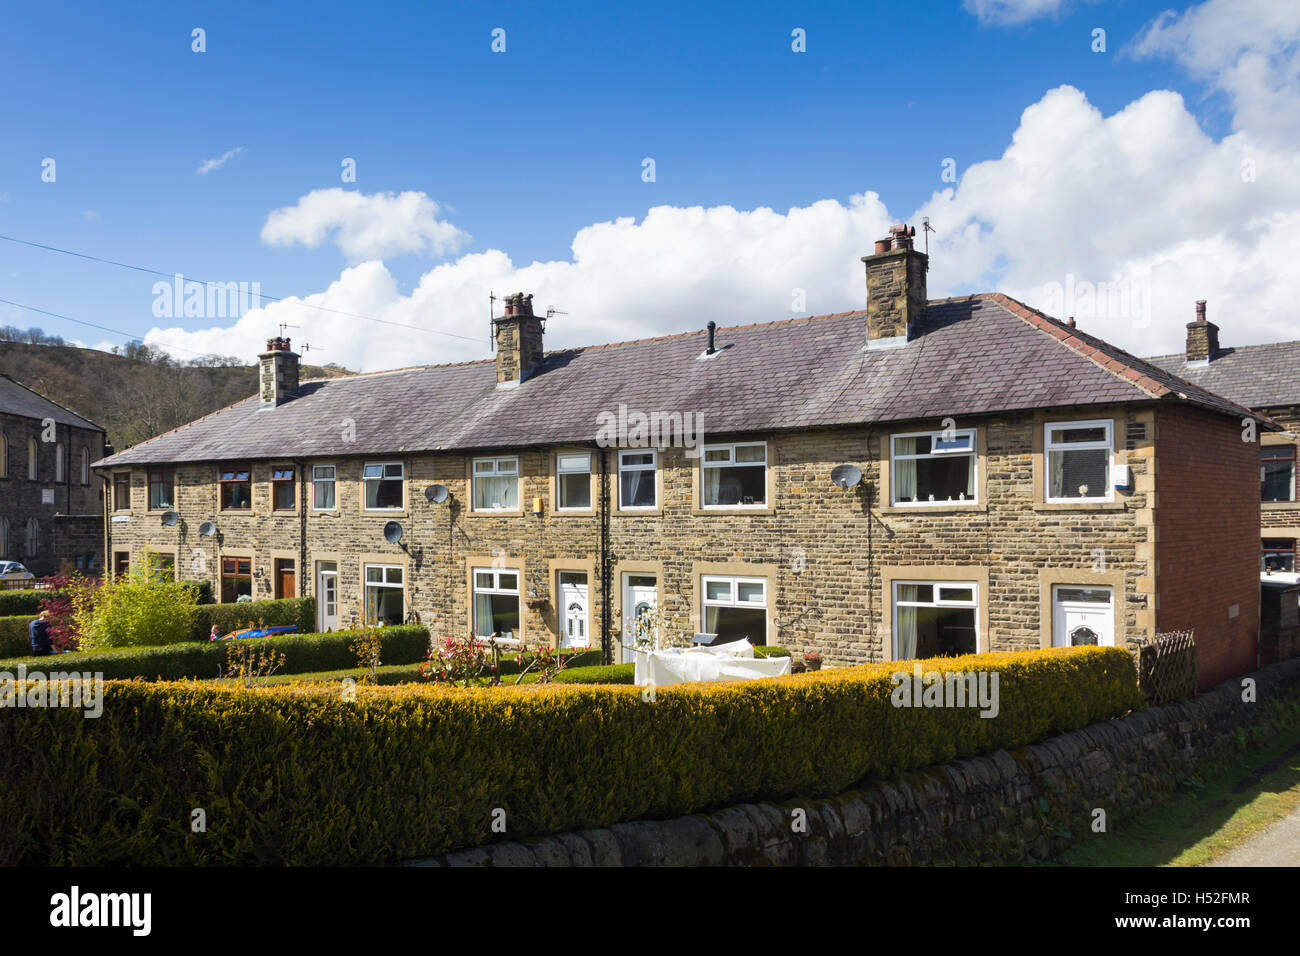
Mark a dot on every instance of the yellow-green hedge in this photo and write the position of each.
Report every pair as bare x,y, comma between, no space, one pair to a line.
299,775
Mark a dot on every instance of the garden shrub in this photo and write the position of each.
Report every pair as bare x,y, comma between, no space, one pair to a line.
300,774
142,608
202,591
204,659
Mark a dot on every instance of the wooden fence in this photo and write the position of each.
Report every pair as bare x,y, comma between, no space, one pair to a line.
1167,668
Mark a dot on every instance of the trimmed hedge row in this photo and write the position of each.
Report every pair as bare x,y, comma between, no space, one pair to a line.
26,601
600,674
230,617
299,775
14,638
204,659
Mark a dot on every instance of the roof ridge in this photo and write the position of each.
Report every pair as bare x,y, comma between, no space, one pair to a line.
1231,348
47,398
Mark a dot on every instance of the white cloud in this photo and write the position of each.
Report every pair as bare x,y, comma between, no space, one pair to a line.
364,226
1012,12
1142,200
208,165
1247,49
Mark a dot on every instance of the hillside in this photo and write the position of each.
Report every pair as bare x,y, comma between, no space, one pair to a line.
138,394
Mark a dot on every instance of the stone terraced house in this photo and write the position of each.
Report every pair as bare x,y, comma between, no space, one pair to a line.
1267,379
50,510
1023,485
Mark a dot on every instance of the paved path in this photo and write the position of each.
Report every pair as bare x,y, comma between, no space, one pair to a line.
1279,845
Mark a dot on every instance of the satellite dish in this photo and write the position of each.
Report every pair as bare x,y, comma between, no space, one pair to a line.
437,493
207,529
393,532
169,518
846,476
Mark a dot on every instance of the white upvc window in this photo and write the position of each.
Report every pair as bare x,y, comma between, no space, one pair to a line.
933,468
323,487
935,618
1077,461
385,604
496,484
385,485
573,481
734,608
496,602
636,479
734,475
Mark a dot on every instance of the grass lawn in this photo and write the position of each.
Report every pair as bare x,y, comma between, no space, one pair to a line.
1219,814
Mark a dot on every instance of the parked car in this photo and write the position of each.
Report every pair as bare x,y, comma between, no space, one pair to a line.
14,571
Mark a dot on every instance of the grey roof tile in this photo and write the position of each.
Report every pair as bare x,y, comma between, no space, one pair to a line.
973,355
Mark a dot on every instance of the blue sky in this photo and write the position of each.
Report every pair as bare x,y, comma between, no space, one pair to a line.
520,150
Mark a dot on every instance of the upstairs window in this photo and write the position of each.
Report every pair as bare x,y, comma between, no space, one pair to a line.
322,487
1277,473
162,489
1278,554
60,463
573,481
85,466
33,469
122,491
735,475
636,480
1078,456
496,484
237,489
4,456
933,468
282,489
384,483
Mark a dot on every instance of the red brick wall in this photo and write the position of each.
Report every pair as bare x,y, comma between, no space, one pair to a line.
1207,542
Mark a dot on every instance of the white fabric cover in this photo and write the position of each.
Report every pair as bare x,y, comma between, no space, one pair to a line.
723,662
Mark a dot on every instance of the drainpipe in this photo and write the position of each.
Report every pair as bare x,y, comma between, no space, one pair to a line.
302,531
606,647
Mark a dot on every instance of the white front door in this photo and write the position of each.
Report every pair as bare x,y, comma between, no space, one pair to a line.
327,595
573,609
640,595
1082,616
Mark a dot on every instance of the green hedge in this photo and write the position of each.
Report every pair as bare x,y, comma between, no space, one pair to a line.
26,601
300,775
600,674
230,617
14,639
204,659
202,591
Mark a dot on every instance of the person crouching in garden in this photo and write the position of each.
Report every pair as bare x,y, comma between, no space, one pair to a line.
39,632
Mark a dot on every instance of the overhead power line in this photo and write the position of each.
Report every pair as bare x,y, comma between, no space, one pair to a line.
272,298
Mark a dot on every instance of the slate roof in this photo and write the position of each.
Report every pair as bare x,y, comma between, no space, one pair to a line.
17,399
972,355
1261,376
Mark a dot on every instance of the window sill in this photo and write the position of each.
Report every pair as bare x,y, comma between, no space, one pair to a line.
495,512
1080,506
1279,505
937,508
735,510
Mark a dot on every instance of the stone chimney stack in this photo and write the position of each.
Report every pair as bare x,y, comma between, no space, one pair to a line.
895,289
519,339
1202,338
278,373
